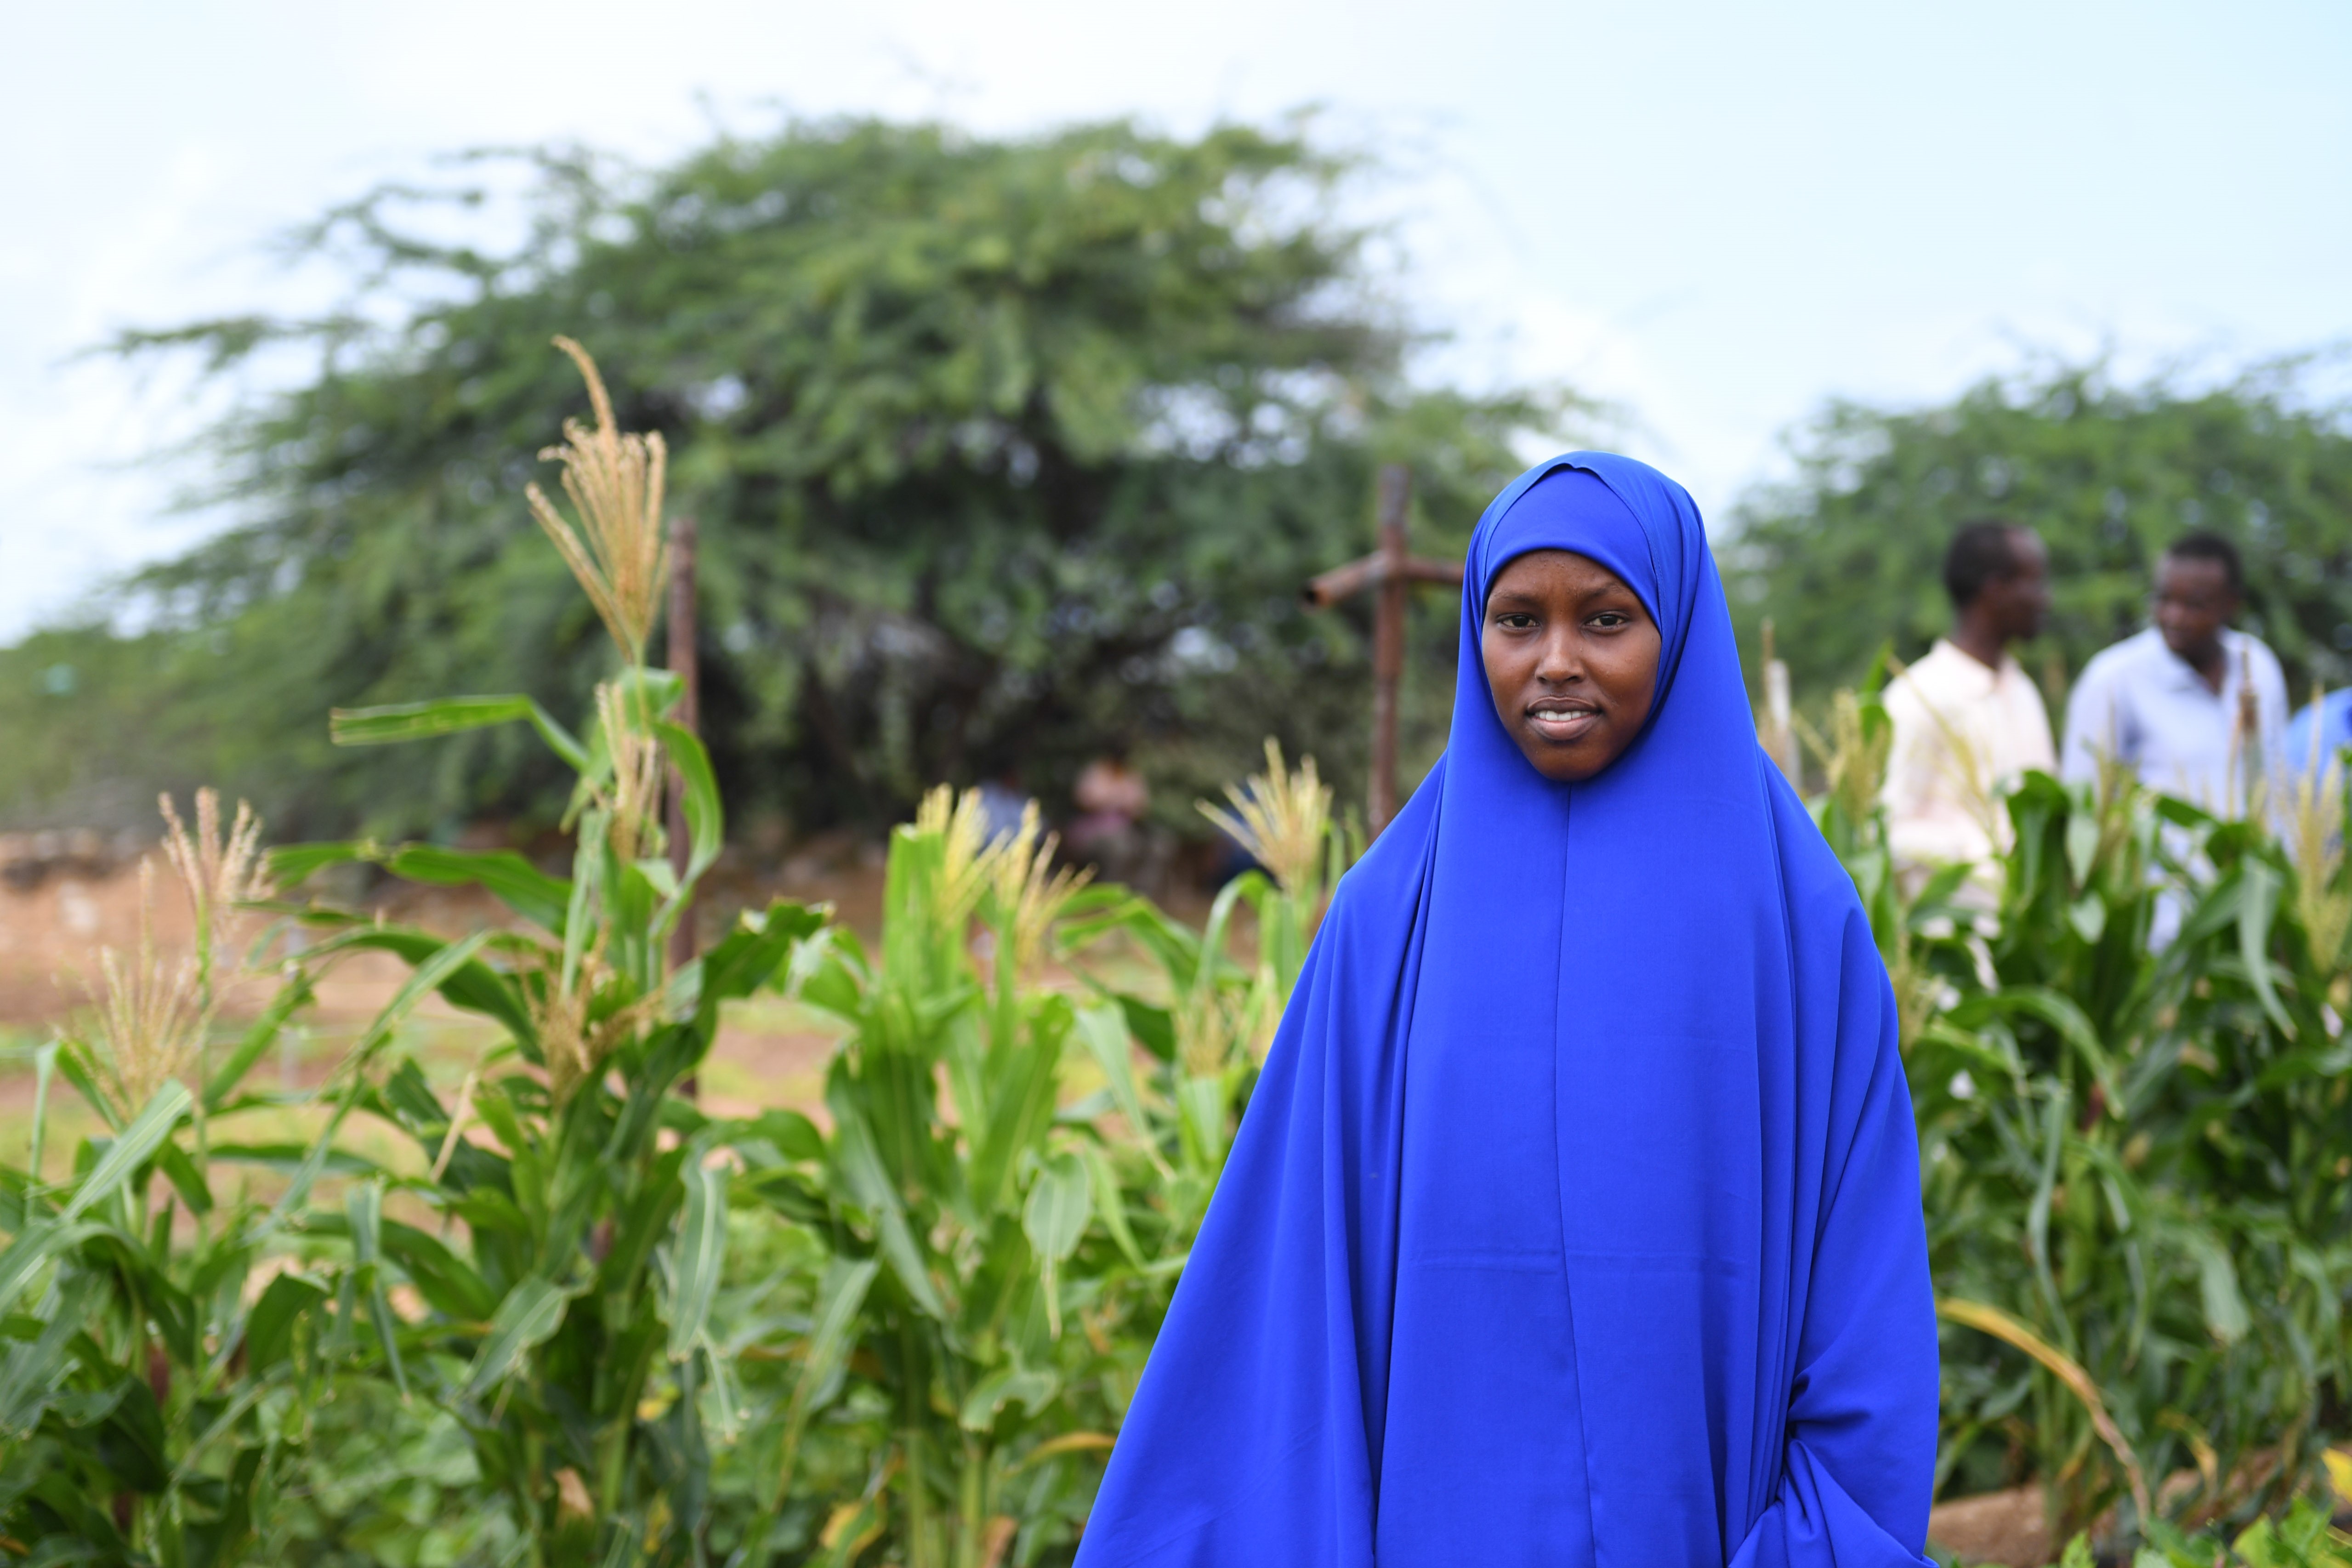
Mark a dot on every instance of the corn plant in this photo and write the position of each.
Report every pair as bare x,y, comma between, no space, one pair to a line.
969,1218
560,1290
2135,1159
1208,1026
162,1364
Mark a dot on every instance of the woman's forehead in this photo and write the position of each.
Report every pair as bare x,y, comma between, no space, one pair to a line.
1536,570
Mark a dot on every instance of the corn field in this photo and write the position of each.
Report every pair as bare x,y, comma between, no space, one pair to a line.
590,1322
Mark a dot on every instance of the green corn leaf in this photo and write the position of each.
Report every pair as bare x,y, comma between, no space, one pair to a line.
1034,1390
2082,847
1023,1083
450,716
2226,1317
1111,1205
291,865
257,1039
269,1327
701,1255
1059,1206
1102,1029
501,873
181,1172
1154,1028
2258,897
473,986
446,1281
868,1186
839,1297
792,1134
429,976
705,821
130,1150
288,1158
75,1070
529,1316
747,957
28,1373
363,1205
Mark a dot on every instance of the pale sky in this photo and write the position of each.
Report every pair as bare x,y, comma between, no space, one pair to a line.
1714,216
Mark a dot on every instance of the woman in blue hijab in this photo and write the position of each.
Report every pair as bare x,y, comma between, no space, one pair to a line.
1575,1219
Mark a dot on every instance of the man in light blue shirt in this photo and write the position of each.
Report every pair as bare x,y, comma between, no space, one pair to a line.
2315,736
2194,709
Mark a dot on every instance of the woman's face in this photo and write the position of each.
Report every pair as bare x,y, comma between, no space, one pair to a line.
1572,660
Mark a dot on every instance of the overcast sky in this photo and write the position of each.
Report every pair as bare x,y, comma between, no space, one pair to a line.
1714,214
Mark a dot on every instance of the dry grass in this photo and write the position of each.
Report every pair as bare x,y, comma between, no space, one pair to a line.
618,552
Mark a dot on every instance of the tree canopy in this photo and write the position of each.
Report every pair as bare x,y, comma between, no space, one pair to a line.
1002,451
1847,555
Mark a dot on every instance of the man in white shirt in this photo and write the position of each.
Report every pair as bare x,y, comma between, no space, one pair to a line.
2194,709
1967,721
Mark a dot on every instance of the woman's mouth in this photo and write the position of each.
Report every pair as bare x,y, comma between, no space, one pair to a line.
1564,721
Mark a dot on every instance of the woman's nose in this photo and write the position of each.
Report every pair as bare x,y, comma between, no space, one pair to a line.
1559,661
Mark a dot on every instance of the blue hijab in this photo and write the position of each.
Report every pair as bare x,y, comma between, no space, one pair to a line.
1575,1219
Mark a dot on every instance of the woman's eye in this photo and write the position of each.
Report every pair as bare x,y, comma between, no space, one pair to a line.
1609,620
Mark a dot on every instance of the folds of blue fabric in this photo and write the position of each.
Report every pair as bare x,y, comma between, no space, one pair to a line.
1267,1383
1856,1472
1629,1257
1816,1523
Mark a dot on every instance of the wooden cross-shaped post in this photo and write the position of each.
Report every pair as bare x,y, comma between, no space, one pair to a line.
1393,572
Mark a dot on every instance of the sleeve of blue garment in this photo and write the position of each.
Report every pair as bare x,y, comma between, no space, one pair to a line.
1856,1476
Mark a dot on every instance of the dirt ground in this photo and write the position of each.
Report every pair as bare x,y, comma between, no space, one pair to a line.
768,1053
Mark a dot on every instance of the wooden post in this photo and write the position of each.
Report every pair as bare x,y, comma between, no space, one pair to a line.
1388,641
689,714
1389,574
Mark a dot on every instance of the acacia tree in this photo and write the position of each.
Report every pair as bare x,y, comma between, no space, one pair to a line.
1848,555
1000,449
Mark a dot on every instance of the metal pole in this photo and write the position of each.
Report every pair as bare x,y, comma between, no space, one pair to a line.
1388,640
688,713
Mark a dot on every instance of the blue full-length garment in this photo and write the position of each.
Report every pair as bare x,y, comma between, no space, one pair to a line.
1575,1219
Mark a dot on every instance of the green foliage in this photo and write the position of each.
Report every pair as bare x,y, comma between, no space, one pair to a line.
2132,1160
1850,553
1002,451
568,1358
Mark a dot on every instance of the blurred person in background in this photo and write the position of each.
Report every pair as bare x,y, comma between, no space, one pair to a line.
2317,736
1967,721
2191,707
1108,830
1002,803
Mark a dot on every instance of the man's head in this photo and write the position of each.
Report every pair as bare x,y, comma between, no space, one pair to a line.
1999,577
2198,586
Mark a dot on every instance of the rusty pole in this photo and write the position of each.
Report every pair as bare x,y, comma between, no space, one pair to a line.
1388,640
688,714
